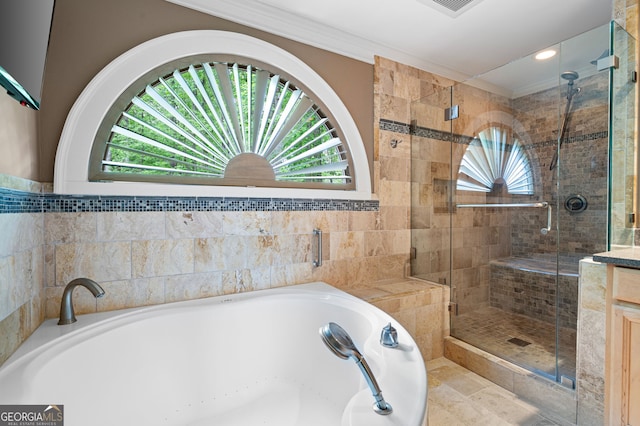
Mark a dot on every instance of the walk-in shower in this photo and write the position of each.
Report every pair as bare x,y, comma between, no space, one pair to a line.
510,195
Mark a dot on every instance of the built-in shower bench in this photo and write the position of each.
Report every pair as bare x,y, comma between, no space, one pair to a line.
420,307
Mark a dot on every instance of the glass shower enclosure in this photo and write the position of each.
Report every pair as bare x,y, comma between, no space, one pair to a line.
512,186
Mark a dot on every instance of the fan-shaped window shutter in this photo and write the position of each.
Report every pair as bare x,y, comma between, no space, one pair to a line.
223,123
491,157
211,113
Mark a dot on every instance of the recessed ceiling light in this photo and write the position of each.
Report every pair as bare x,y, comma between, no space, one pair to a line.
545,54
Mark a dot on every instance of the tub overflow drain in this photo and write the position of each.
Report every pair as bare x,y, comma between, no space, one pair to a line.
575,203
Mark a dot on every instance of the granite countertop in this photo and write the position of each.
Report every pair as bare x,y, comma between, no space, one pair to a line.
629,257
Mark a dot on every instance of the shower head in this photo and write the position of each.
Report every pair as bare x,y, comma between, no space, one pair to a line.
570,75
340,343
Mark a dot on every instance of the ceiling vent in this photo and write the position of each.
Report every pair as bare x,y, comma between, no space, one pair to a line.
452,8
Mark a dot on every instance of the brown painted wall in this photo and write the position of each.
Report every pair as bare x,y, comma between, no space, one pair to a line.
18,139
88,34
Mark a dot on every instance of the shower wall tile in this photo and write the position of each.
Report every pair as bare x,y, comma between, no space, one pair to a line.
393,108
396,145
393,218
394,193
395,168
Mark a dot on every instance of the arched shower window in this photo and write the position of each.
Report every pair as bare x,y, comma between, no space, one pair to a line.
495,156
211,113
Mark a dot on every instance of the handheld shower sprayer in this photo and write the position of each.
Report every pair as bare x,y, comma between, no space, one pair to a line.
570,76
340,343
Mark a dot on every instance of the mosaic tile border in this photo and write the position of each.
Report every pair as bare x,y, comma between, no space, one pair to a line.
15,201
425,132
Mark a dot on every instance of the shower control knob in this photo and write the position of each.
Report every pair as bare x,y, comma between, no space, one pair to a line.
575,203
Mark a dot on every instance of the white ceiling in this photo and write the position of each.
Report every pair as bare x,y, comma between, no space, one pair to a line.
485,35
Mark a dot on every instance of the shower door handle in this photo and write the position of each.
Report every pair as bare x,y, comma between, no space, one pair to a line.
541,204
498,205
545,231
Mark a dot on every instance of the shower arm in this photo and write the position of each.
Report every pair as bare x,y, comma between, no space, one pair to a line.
542,204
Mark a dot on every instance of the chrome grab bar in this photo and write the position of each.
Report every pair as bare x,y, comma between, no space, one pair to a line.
542,204
317,233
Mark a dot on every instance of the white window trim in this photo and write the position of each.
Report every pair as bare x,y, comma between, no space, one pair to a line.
87,113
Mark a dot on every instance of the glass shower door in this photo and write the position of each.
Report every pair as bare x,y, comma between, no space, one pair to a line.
624,198
509,191
504,255
431,187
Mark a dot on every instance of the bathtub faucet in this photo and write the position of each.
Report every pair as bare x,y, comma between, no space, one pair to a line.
340,343
67,315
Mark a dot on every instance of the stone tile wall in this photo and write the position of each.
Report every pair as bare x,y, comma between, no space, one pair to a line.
533,294
420,308
149,257
21,271
591,344
396,88
583,168
156,257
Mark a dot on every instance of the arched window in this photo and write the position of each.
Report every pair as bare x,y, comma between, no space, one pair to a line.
211,113
495,155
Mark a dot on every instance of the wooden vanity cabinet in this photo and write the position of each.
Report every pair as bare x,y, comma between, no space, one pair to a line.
622,398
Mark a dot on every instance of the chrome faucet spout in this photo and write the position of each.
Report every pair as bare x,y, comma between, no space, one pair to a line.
67,315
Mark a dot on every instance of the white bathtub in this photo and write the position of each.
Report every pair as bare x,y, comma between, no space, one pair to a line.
245,359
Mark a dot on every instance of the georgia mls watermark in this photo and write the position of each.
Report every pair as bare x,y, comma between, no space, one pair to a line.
31,415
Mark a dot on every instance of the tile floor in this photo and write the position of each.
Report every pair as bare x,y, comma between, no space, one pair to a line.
459,397
493,329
